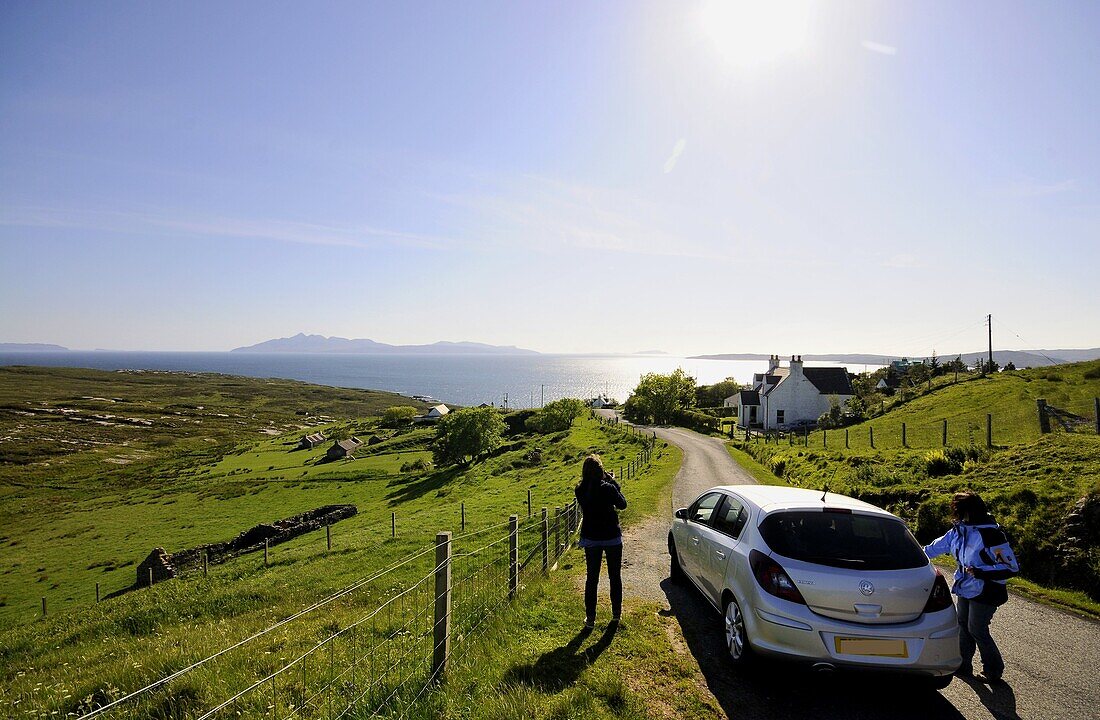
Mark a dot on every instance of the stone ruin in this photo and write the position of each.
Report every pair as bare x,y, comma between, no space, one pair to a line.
160,563
165,565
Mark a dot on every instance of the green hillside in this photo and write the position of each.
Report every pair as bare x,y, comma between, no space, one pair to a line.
60,537
1032,481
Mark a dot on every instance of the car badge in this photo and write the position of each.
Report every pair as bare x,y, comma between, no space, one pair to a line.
866,587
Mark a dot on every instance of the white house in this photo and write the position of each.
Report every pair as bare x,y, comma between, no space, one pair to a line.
601,402
782,397
433,414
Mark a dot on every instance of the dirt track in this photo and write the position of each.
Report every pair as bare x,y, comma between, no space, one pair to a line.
1052,657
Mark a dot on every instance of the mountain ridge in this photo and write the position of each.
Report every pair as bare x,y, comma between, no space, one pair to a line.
302,343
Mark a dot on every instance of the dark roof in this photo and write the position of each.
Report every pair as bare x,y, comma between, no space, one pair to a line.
349,445
829,380
750,397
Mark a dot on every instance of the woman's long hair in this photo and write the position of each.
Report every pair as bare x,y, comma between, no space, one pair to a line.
592,473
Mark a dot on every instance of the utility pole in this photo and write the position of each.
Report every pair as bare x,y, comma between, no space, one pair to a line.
989,322
542,395
505,401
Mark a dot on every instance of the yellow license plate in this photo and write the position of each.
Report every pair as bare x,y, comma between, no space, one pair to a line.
875,647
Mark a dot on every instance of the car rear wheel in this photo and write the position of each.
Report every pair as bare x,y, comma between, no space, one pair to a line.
939,682
675,571
737,640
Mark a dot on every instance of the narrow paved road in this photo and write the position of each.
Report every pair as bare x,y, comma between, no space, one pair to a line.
1052,657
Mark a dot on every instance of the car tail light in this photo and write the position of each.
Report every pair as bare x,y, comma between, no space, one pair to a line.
773,578
940,597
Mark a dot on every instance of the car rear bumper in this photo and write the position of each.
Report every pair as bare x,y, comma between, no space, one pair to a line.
928,645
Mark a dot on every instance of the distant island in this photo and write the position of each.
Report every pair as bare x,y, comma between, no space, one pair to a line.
1019,358
651,352
31,348
302,343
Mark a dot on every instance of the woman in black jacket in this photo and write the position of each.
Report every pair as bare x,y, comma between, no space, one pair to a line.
600,499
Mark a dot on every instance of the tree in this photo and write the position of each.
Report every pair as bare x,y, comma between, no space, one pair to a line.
658,397
467,434
708,396
1009,366
934,365
398,415
556,416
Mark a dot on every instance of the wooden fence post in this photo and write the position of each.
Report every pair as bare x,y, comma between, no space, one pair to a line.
513,556
97,592
557,531
871,434
528,502
393,524
442,630
989,430
545,541
904,441
945,432
1096,413
43,606
463,517
824,438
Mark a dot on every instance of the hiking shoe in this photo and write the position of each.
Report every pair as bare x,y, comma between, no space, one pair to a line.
988,679
590,623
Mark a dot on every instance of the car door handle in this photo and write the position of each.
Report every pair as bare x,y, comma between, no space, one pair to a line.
720,554
695,540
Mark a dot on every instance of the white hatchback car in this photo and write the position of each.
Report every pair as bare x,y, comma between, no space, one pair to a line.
817,577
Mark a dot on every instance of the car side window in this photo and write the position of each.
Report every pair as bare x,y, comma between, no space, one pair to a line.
702,509
731,517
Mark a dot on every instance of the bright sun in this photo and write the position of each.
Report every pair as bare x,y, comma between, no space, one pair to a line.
752,32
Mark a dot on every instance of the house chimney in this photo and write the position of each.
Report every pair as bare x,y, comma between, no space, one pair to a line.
773,363
796,365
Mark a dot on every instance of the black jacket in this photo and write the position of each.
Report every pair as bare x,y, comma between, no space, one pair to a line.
599,503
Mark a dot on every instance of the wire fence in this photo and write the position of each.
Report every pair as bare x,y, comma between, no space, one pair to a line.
648,438
382,641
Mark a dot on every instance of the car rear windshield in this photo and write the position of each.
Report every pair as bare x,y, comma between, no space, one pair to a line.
844,540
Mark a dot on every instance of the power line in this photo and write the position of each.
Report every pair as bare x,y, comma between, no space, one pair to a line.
1025,342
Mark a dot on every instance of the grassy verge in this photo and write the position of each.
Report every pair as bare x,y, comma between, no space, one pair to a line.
539,662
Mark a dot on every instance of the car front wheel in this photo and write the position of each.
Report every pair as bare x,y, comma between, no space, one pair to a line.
737,641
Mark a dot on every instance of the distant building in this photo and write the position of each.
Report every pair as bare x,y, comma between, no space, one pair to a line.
433,414
309,442
601,402
343,448
794,395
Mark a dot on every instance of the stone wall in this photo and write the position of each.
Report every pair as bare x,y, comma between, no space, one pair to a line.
253,539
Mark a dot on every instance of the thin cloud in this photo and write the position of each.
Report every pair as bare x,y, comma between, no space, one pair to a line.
363,236
902,260
879,48
677,151
1031,188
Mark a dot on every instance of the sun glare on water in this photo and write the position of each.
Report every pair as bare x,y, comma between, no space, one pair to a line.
747,32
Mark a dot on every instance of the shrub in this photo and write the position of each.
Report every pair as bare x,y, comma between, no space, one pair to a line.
556,416
778,465
938,463
418,465
398,415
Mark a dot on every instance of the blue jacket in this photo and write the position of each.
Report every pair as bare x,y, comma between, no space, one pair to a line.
980,545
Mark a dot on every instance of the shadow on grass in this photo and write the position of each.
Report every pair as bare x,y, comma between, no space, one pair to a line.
561,667
770,688
413,487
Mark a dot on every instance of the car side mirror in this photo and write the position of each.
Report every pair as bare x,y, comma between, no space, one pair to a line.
682,513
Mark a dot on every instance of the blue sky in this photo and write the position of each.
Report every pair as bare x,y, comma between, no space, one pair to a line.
567,177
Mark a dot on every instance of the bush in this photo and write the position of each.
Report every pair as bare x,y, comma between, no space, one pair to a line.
398,415
418,465
556,416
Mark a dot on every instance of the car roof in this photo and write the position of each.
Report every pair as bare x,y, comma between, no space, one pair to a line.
777,497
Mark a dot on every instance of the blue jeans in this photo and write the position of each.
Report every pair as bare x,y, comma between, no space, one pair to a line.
974,619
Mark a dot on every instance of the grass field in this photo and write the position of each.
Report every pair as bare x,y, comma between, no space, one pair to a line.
1031,481
62,537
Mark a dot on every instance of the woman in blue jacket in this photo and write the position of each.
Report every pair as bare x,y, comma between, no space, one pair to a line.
600,500
985,562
